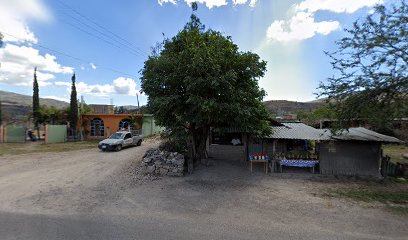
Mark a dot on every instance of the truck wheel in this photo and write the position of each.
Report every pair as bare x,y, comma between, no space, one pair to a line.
118,147
139,143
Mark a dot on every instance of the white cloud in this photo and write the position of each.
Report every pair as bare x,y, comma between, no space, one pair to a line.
239,2
167,1
67,84
92,66
212,3
96,90
347,6
299,27
209,3
14,16
18,63
119,86
125,86
302,24
252,3
57,98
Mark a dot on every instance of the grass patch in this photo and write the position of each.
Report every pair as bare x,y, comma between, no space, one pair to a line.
395,202
36,147
395,152
375,196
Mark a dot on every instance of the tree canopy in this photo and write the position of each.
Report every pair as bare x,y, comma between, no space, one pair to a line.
199,79
371,62
52,115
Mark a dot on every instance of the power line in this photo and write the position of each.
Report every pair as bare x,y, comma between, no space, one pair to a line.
97,37
100,26
72,57
132,50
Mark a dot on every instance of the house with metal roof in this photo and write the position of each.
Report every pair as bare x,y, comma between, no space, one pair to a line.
356,151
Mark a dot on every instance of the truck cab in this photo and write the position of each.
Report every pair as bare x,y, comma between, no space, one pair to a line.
121,139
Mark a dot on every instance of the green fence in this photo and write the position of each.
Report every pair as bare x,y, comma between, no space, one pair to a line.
15,134
56,133
389,168
149,126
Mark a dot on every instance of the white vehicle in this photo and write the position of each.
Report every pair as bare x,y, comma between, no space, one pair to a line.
120,140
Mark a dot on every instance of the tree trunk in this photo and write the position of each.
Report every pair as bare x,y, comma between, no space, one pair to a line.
200,141
197,144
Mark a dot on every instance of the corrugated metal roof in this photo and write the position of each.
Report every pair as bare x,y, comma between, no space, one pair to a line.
297,131
302,131
361,134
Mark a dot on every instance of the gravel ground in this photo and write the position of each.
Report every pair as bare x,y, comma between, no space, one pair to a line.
89,194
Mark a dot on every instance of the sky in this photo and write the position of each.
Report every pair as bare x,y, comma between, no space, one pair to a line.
105,43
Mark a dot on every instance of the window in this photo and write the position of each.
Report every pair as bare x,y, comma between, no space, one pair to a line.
124,123
97,127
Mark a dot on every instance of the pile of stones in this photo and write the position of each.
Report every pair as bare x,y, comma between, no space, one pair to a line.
156,161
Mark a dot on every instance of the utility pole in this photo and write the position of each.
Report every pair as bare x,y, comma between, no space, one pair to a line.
81,107
138,107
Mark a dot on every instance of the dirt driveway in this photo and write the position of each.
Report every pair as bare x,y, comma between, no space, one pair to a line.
88,194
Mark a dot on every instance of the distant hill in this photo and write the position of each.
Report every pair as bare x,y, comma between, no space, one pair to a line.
25,100
17,106
282,107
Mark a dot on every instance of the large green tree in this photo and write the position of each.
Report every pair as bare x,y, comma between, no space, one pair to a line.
199,79
36,101
371,63
73,116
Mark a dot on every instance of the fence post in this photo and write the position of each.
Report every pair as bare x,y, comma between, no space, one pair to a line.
4,134
1,133
46,134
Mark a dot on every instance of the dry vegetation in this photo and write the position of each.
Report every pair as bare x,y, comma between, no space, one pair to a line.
37,147
396,152
390,194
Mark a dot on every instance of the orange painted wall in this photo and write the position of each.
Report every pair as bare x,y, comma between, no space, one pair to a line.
110,121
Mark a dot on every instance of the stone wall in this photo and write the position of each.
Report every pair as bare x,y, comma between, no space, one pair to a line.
163,163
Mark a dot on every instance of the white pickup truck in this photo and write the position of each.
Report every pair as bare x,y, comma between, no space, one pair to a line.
120,140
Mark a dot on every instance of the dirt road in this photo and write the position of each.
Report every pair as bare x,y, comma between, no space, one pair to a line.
89,194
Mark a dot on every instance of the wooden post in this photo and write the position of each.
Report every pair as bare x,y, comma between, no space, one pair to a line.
1,134
4,134
245,141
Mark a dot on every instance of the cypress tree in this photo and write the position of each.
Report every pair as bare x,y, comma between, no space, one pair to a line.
36,101
73,118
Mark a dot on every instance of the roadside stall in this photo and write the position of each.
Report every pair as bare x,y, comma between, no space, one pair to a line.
290,145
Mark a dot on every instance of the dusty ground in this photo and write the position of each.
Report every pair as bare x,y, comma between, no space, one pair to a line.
88,194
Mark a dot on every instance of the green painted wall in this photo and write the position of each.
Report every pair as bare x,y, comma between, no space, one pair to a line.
57,133
15,134
149,126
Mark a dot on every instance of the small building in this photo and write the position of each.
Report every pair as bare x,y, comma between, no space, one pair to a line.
101,108
100,126
353,152
356,151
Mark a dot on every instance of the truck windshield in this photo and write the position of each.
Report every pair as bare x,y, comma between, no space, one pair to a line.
116,136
